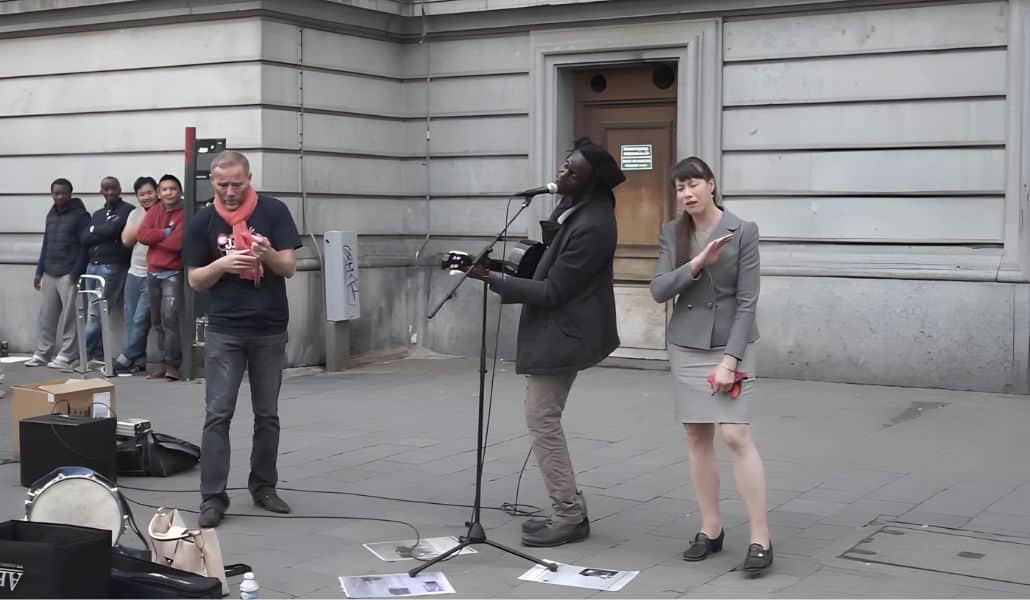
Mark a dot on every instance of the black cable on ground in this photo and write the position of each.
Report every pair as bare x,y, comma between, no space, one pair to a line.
525,511
513,508
418,535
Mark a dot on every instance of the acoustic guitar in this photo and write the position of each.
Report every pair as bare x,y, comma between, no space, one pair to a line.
521,261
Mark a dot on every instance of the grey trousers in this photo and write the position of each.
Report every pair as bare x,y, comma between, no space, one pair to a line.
165,304
57,317
545,402
226,357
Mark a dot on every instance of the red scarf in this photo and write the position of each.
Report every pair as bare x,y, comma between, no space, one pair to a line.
237,219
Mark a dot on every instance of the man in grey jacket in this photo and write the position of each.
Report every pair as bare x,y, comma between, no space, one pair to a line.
567,325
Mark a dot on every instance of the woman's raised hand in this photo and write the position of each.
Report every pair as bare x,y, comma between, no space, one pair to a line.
710,254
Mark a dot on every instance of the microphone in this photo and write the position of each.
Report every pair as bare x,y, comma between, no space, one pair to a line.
550,188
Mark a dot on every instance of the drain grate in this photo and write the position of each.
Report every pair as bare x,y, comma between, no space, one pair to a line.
966,553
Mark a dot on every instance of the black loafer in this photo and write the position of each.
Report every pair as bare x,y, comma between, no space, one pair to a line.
703,546
271,502
758,559
210,517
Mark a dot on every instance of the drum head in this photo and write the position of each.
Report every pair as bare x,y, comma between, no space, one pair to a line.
77,496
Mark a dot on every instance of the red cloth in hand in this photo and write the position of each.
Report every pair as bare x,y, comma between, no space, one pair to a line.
738,377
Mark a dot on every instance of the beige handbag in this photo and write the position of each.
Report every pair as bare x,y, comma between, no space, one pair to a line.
193,550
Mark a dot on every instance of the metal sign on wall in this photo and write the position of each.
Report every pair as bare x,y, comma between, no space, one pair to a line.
636,157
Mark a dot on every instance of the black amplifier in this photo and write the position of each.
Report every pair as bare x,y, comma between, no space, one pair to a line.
52,441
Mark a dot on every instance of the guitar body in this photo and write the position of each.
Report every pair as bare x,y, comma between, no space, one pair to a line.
523,258
521,261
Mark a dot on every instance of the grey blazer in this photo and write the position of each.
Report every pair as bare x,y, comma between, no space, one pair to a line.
716,308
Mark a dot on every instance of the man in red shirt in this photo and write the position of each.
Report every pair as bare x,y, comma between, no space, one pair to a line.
162,231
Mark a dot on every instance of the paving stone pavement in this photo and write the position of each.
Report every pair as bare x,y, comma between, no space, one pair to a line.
843,461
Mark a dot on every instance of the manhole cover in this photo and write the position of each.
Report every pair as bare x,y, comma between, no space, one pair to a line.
966,553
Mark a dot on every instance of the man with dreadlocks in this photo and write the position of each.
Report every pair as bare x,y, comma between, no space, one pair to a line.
567,325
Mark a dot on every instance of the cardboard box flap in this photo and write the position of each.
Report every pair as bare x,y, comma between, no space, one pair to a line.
35,387
75,385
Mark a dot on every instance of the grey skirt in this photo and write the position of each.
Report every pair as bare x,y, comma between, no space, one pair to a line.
692,395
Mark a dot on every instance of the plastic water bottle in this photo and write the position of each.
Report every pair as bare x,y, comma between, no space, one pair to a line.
249,587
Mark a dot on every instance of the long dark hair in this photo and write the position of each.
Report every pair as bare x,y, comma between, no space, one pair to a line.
690,168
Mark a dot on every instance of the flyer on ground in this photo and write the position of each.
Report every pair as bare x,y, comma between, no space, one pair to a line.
607,580
396,585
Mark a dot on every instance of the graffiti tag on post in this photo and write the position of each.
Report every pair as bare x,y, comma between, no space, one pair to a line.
350,277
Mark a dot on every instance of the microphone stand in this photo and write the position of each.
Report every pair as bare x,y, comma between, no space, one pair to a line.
476,534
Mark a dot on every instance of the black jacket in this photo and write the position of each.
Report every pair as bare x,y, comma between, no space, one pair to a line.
568,313
103,238
62,252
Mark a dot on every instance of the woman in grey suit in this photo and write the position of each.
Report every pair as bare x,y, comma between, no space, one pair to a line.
708,262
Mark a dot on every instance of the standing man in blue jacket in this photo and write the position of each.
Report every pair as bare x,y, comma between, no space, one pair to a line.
61,260
108,257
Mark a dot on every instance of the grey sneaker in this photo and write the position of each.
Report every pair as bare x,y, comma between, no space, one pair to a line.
35,361
537,523
557,533
61,364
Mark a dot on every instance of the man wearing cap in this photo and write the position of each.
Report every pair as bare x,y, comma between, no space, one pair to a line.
567,325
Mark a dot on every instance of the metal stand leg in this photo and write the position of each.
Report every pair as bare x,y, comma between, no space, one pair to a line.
85,297
108,339
81,315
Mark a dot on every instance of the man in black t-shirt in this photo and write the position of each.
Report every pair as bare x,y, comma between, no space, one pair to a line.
240,249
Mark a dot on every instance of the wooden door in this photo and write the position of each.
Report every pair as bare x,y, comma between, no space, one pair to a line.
635,120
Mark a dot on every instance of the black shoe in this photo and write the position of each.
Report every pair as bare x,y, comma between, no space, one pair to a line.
703,546
210,516
557,533
271,502
758,559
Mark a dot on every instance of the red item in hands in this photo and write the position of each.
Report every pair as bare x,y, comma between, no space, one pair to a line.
738,377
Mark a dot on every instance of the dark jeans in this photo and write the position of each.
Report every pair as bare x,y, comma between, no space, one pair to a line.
114,280
137,317
165,304
226,356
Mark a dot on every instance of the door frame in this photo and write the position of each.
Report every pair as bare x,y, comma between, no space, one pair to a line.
694,45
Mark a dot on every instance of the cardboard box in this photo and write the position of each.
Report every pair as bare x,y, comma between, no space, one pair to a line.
92,397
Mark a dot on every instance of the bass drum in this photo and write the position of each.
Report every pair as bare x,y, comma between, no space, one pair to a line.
78,496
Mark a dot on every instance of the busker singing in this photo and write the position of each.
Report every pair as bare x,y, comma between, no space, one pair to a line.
567,325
